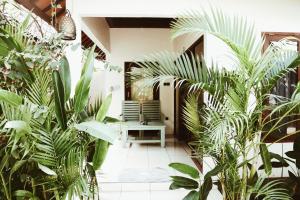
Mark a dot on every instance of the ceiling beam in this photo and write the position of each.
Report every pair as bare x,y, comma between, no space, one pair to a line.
138,22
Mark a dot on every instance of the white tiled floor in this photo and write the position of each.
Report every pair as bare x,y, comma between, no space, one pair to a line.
144,157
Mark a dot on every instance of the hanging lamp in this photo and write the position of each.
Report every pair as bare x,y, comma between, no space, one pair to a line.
67,27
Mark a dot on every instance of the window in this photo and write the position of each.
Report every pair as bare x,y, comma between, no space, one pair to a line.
285,86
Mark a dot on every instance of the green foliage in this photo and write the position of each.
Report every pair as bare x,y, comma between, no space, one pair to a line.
10,98
229,126
199,189
265,155
42,153
101,149
64,72
83,86
59,97
98,130
185,169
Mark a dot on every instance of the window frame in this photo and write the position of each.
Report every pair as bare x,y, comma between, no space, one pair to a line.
277,36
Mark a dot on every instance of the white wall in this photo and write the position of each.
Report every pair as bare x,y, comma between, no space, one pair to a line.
131,44
98,30
74,55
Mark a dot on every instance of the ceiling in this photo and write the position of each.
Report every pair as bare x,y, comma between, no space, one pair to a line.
43,9
86,43
138,22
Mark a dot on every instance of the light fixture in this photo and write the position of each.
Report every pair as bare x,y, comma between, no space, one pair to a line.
67,27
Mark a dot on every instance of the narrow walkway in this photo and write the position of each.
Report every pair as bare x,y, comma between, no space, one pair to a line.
141,172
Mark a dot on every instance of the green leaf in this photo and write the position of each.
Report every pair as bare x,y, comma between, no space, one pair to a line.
214,171
294,155
175,186
265,156
111,120
192,195
104,108
17,166
59,100
185,182
296,145
205,188
23,193
83,86
101,149
185,169
293,176
64,72
47,170
98,130
278,157
10,98
3,162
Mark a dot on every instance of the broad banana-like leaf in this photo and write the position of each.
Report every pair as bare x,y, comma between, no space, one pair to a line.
185,169
65,75
10,98
24,194
183,182
83,86
104,108
192,195
101,149
59,98
265,156
101,146
98,130
205,188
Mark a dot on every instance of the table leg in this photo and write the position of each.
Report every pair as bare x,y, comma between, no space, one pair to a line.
162,137
124,137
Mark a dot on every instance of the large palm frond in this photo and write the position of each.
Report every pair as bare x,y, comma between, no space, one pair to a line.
272,190
185,68
222,123
275,64
235,31
39,91
191,115
75,184
53,146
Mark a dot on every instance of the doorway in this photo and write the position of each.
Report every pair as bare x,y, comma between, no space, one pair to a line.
181,132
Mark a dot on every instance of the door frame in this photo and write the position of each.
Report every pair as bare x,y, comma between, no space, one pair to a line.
127,81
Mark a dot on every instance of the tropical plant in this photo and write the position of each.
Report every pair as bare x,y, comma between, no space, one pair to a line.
46,135
192,183
230,126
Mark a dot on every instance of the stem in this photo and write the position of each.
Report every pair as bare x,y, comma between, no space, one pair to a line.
5,188
244,179
223,186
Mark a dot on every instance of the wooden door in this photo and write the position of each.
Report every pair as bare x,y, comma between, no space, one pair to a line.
182,133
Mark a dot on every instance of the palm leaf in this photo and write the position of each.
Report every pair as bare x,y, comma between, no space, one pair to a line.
238,33
269,191
39,91
83,86
185,68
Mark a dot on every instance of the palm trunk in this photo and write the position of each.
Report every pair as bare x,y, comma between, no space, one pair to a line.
244,179
223,187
